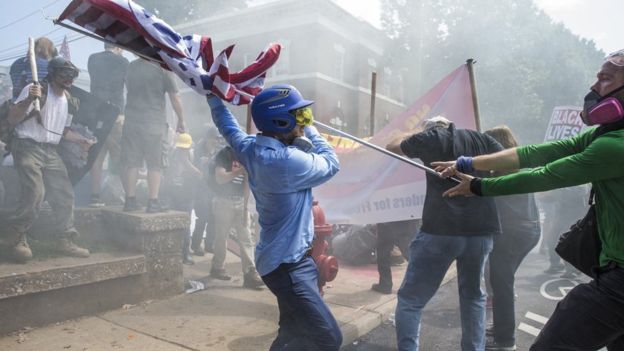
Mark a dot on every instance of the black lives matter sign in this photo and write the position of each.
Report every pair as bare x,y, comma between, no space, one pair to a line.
565,122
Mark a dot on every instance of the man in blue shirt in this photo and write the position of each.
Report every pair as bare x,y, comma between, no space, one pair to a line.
283,163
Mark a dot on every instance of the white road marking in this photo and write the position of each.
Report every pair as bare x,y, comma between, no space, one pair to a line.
529,329
536,317
562,285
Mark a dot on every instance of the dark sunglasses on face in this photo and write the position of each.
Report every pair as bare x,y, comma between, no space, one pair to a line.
67,74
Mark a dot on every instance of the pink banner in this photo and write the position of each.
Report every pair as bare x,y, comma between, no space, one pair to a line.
374,188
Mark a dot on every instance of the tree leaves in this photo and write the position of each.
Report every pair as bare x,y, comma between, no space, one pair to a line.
527,64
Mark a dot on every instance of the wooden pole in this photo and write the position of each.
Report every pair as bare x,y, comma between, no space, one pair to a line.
473,88
33,69
372,104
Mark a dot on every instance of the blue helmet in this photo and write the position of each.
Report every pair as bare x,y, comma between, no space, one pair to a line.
271,108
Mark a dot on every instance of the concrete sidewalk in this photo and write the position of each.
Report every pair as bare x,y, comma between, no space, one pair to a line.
223,316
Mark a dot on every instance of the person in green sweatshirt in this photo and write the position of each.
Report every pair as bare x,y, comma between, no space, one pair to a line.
591,315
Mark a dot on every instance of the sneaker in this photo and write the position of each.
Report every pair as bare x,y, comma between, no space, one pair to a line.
382,288
489,330
187,260
131,205
155,206
492,345
67,247
221,275
197,250
21,252
251,280
554,268
96,202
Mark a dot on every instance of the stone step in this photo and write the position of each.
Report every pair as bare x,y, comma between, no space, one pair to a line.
64,272
56,289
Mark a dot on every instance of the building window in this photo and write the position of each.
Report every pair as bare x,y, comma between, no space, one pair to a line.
339,52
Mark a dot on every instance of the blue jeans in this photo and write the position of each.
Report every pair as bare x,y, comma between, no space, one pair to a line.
430,258
305,321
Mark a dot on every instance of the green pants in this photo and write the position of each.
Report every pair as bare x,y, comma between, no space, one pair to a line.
42,174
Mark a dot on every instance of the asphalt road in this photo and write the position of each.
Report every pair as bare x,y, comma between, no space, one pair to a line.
537,292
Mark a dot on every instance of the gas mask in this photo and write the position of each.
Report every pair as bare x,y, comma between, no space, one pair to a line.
603,109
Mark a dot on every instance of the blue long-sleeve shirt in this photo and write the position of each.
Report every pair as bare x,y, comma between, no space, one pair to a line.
281,178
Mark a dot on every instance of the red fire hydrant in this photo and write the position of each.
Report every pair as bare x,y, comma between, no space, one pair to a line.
326,265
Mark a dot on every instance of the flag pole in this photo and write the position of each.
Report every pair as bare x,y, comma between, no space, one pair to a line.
104,40
383,151
372,146
473,89
372,104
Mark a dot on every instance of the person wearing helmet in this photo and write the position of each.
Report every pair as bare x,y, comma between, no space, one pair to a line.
284,162
40,168
180,182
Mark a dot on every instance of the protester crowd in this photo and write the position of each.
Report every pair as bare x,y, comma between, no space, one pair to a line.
158,167
492,217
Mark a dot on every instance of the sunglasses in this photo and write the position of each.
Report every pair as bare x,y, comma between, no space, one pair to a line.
303,116
67,74
616,58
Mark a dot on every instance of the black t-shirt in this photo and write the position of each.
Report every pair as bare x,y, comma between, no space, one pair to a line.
225,158
518,213
466,216
108,75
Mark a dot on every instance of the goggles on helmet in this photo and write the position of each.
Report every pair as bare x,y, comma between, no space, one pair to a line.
616,58
303,116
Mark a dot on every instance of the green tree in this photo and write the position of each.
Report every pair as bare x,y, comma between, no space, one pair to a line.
527,64
174,12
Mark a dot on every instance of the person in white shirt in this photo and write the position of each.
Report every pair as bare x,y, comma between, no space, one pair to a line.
40,168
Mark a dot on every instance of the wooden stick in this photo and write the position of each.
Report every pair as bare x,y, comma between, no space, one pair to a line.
33,69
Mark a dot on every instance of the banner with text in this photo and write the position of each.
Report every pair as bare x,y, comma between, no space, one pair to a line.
375,188
565,122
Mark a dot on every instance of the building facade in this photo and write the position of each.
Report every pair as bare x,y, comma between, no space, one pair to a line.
326,52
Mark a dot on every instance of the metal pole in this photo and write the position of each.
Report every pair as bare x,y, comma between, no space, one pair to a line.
382,150
473,89
372,104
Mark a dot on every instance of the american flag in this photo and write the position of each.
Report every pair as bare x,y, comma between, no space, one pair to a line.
64,49
133,28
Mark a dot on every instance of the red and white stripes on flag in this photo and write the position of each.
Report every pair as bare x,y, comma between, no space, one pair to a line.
64,49
133,28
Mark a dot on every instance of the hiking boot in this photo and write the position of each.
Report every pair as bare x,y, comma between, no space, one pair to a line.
131,205
221,275
251,280
492,345
21,252
382,288
155,206
67,247
96,202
